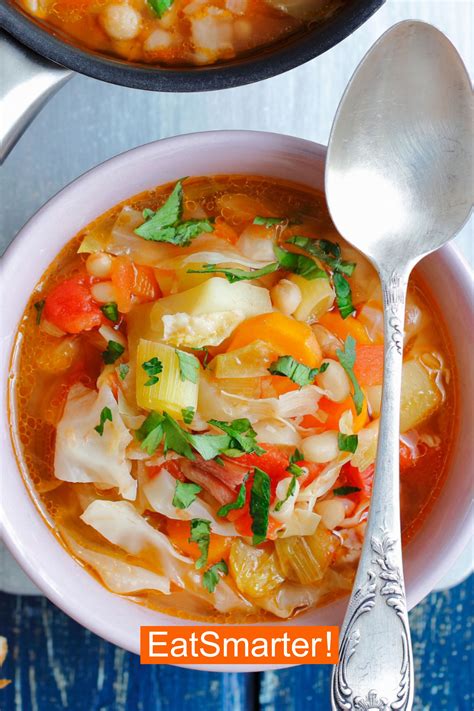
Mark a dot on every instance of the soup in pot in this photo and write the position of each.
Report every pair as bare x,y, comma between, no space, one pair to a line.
178,32
197,399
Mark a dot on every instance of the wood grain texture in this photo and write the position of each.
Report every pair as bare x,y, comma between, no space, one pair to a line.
56,664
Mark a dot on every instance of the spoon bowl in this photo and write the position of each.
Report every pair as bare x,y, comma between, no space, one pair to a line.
398,186
399,164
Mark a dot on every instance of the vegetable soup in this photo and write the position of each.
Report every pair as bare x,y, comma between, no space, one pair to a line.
178,32
198,398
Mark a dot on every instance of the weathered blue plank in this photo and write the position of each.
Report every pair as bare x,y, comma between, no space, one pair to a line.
56,664
441,629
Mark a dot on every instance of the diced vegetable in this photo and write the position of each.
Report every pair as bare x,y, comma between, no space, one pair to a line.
71,308
215,293
249,361
420,395
180,532
317,297
170,393
254,570
306,559
342,328
283,334
181,329
366,450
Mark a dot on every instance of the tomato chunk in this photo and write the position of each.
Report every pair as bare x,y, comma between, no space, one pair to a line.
71,308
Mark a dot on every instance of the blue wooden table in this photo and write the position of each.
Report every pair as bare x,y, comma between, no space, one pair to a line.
54,664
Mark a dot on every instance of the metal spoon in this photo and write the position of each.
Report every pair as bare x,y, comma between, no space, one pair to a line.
398,185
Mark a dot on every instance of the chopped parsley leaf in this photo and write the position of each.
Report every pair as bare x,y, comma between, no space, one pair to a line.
165,224
259,505
347,360
297,372
188,366
238,503
123,370
242,437
39,306
343,295
152,368
188,414
113,351
106,414
110,311
233,275
293,467
268,221
347,443
201,534
185,493
160,7
299,264
289,492
345,490
211,576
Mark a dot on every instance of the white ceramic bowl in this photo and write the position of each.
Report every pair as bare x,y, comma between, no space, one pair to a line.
447,530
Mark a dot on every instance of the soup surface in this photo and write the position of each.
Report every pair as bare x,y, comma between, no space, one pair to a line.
178,32
198,393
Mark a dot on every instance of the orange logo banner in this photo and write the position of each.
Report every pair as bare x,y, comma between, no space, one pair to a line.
239,644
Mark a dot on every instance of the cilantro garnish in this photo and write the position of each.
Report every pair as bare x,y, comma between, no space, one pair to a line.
165,224
347,443
242,437
330,253
106,414
238,503
185,493
343,295
259,505
233,275
345,490
110,311
113,351
123,370
326,251
299,264
289,492
188,366
211,576
163,428
293,467
160,6
201,534
188,414
347,360
268,221
152,368
39,306
297,372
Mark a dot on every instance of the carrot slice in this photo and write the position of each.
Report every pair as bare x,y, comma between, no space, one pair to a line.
145,286
368,367
343,327
284,334
179,533
123,279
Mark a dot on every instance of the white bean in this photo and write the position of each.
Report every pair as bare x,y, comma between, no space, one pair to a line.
103,292
332,512
320,448
158,39
286,296
334,381
121,22
99,264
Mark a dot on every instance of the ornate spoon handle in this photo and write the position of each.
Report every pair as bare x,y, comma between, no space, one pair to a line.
375,669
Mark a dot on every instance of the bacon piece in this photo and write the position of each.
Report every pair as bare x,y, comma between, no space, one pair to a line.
220,481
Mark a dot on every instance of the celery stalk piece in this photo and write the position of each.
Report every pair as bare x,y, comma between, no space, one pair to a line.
170,393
